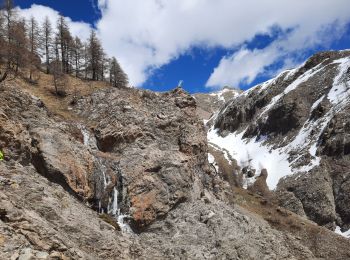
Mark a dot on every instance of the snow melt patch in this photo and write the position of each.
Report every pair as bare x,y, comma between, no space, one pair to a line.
253,153
220,94
211,160
314,105
341,86
344,234
296,83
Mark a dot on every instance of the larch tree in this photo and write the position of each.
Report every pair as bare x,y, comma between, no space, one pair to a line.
8,19
60,80
20,57
34,58
117,76
23,46
95,56
64,41
46,42
77,54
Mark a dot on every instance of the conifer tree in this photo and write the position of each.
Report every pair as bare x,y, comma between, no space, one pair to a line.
117,77
46,42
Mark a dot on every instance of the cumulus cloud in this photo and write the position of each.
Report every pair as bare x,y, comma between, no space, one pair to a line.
242,67
80,29
147,34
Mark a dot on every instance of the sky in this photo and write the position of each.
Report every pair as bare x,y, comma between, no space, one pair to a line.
207,44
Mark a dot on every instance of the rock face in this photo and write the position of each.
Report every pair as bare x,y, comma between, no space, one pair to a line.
129,178
296,126
208,104
160,143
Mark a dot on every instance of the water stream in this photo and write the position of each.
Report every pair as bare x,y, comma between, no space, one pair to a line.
113,207
114,210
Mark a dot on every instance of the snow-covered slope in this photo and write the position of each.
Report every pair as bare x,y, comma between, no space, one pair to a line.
294,125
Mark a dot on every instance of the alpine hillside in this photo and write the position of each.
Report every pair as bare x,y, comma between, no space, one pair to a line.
291,135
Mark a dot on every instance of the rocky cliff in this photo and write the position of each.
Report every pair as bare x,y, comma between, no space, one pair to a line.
124,174
296,126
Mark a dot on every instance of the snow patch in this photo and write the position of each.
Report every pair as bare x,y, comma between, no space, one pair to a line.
344,234
211,160
314,105
253,153
256,153
296,83
341,86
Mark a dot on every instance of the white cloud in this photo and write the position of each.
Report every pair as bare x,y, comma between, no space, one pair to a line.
39,12
245,65
241,67
146,34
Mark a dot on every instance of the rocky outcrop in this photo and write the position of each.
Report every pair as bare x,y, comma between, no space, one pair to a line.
55,148
160,143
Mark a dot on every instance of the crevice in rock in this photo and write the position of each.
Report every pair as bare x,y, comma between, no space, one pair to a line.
53,176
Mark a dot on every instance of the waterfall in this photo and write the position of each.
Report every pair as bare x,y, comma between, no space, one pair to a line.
114,210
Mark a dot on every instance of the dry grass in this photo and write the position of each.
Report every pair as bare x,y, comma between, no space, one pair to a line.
110,220
316,238
59,106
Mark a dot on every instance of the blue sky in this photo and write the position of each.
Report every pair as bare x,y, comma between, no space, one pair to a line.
236,43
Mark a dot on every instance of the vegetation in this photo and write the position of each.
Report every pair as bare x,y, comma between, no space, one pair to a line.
27,48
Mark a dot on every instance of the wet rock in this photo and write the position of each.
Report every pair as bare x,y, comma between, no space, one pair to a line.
160,143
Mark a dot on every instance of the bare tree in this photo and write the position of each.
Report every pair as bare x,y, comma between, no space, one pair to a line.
47,42
19,52
77,53
60,79
34,59
64,40
8,19
22,45
95,56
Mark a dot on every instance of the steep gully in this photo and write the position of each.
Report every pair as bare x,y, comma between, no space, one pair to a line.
114,200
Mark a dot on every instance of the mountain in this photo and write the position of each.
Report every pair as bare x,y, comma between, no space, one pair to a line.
297,128
208,104
123,173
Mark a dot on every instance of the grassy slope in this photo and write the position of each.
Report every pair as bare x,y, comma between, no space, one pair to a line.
59,106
